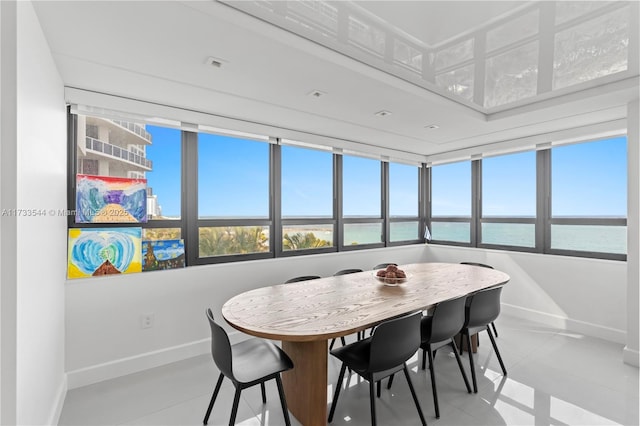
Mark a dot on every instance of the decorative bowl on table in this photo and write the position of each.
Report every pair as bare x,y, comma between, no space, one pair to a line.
391,276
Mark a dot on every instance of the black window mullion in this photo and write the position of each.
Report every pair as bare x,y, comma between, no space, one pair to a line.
543,201
386,226
190,196
338,234
275,157
476,203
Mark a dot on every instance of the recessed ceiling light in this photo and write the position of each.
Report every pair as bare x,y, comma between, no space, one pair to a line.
215,62
432,127
383,113
316,94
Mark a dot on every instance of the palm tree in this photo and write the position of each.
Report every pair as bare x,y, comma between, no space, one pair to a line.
299,241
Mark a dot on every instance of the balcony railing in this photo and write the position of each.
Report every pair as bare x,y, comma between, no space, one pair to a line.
135,128
117,152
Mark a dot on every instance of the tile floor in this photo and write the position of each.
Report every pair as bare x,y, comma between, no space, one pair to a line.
554,378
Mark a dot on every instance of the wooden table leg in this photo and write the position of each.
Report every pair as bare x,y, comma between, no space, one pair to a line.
463,343
306,385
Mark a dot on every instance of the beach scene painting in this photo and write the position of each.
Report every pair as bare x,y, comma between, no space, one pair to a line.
104,251
162,254
106,199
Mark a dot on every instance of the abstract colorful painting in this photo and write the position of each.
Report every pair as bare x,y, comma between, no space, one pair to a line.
104,251
105,199
162,254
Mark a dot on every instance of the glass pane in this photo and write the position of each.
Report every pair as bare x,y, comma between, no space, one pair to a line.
511,76
307,182
298,237
164,184
407,55
509,234
225,240
404,231
593,238
161,233
454,55
594,49
458,81
590,179
513,30
567,10
362,233
233,177
361,187
509,185
403,190
459,232
451,189
125,150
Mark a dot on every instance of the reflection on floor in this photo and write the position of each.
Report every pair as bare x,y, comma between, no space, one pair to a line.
554,378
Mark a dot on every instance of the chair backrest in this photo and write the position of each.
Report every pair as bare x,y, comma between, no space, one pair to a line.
483,307
302,278
347,271
220,347
394,342
448,319
383,265
483,265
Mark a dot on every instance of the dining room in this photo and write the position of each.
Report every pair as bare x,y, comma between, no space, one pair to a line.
238,145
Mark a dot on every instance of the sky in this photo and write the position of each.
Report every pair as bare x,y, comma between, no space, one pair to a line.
589,179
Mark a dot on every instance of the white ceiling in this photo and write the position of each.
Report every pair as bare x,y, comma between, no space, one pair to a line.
156,52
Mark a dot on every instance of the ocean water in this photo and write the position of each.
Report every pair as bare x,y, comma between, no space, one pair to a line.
592,238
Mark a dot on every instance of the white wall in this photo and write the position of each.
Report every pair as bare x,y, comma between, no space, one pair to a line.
104,337
631,351
583,295
41,244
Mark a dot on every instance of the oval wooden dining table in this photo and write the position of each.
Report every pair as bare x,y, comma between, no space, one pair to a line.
307,314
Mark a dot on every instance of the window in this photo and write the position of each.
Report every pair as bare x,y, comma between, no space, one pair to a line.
451,202
589,197
512,75
362,201
307,198
509,200
233,196
404,214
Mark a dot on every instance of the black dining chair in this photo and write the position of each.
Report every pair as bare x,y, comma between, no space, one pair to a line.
383,265
482,308
437,330
344,272
384,353
302,278
347,271
483,265
250,362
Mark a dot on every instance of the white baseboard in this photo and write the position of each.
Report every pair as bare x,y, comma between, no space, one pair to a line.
568,324
133,364
56,409
631,356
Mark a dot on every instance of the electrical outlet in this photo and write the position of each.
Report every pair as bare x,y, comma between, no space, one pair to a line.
147,320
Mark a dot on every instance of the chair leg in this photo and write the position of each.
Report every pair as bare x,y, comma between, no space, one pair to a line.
473,368
433,383
264,394
337,392
495,348
413,394
372,402
461,342
390,381
213,398
424,359
344,342
464,375
333,342
493,324
283,401
378,386
234,409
